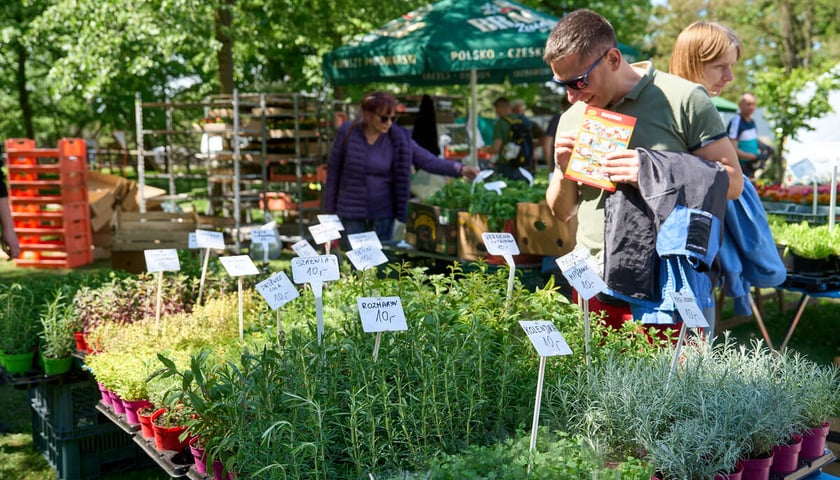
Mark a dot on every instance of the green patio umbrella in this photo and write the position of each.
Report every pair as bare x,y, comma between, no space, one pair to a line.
724,105
451,42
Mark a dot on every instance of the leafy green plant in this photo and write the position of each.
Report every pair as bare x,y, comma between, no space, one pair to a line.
18,319
57,327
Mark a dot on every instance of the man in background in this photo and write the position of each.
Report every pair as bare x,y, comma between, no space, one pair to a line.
744,136
512,141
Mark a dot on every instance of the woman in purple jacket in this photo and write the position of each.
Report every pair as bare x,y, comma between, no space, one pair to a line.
369,169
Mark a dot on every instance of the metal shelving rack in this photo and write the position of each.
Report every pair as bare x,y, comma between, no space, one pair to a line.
251,143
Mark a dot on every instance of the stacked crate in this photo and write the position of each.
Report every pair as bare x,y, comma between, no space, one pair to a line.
49,202
74,438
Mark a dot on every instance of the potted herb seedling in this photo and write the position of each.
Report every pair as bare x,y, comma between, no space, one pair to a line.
57,343
18,332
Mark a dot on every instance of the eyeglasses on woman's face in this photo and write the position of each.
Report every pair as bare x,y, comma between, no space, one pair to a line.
385,118
581,81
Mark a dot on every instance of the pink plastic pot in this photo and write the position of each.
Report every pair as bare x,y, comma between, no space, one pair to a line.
813,442
786,457
131,407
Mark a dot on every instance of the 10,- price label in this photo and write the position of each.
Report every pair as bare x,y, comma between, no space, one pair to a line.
580,274
545,337
277,290
366,239
691,314
324,233
381,314
239,265
322,268
304,249
501,243
162,260
366,257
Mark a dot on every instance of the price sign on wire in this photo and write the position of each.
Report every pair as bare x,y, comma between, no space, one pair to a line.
576,266
503,244
324,233
209,239
263,236
162,260
365,239
277,290
321,268
366,257
381,314
315,271
691,314
159,261
304,249
239,266
333,219
548,341
577,269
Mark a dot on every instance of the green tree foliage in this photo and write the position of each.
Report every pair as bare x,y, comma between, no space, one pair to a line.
800,95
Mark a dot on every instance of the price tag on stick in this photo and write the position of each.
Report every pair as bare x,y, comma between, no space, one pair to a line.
304,249
549,342
505,245
324,233
239,266
692,317
159,261
315,271
576,266
207,240
366,257
381,314
277,291
366,239
331,218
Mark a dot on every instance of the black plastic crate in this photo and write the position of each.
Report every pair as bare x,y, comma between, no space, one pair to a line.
69,407
87,453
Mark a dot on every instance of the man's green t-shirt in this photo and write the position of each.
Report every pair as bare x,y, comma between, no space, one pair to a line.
672,114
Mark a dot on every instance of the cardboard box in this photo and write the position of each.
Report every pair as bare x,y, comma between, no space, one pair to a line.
432,229
540,233
471,245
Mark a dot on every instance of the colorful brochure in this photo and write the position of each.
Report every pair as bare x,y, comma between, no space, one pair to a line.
601,132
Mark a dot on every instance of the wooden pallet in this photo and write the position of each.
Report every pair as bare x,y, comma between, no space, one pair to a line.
152,230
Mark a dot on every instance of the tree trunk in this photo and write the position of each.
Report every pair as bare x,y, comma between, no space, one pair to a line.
224,20
23,94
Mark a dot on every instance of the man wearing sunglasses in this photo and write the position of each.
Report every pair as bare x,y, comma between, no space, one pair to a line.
672,115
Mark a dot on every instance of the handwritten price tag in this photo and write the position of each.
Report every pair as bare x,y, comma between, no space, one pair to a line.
545,337
304,249
208,239
366,257
266,237
501,243
366,239
691,314
321,268
333,219
580,274
324,233
277,290
162,260
381,314
239,265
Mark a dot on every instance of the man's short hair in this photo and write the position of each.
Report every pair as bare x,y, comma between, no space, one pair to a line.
581,32
501,102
